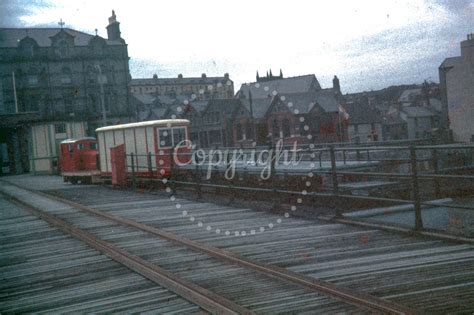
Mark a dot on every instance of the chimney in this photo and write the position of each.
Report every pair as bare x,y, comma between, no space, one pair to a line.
113,29
467,46
203,75
335,84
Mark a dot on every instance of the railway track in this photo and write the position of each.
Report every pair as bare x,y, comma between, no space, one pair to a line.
135,244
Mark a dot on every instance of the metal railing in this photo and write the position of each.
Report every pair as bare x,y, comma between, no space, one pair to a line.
411,166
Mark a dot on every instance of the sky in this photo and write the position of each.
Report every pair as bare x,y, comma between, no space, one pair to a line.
368,44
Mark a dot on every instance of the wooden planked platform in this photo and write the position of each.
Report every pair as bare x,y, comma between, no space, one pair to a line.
42,270
421,273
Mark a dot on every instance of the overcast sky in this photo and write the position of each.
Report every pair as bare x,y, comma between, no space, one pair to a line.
368,44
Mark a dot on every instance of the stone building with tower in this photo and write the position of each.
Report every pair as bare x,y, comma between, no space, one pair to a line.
456,77
57,83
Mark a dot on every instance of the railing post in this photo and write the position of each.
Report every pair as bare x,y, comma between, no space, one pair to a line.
132,156
436,171
416,190
172,173
197,178
148,162
150,168
335,185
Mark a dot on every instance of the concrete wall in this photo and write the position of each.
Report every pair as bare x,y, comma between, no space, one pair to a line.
460,97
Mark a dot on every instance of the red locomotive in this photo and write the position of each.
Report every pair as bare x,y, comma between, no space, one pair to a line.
78,160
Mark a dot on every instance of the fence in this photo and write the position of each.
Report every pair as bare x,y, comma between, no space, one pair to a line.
329,170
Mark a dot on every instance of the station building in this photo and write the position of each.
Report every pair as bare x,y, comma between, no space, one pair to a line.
57,83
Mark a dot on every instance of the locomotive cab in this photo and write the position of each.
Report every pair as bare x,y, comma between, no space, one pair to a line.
78,160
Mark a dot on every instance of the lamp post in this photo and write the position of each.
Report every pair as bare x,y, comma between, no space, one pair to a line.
102,79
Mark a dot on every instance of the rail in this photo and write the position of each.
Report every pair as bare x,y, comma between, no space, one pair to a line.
206,299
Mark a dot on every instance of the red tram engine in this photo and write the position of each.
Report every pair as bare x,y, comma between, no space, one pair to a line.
78,160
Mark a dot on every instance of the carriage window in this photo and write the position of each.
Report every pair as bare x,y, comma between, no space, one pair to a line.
93,146
178,135
165,138
80,146
70,148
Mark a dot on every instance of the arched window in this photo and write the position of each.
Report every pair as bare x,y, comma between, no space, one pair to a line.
28,47
286,128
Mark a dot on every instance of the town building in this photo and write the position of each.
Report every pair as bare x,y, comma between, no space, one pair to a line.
294,109
456,76
57,83
420,121
364,123
201,88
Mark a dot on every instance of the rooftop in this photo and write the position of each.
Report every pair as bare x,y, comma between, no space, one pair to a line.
299,84
10,37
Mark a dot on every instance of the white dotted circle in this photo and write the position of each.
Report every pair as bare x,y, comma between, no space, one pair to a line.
238,233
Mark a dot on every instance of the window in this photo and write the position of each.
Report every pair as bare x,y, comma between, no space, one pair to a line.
60,128
66,76
62,49
165,138
215,137
171,137
80,146
249,131
70,148
275,128
68,104
93,146
32,80
239,132
286,128
178,135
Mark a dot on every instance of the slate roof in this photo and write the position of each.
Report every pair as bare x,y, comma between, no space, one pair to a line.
305,102
450,62
199,106
10,37
259,106
145,99
362,114
178,81
417,111
227,106
299,84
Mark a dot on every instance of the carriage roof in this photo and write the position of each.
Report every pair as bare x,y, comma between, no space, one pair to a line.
162,122
74,140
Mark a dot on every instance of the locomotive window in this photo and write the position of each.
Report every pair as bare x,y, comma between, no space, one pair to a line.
93,146
178,135
80,146
70,148
165,138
